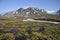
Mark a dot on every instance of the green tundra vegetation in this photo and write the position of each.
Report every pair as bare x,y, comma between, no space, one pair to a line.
13,29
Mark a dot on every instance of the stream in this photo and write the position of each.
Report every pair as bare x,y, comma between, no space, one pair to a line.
41,21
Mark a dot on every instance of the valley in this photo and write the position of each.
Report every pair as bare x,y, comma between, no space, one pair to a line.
29,24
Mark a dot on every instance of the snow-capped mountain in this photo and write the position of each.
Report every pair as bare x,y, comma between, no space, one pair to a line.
29,11
26,12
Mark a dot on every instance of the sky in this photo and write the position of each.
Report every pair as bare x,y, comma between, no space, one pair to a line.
9,5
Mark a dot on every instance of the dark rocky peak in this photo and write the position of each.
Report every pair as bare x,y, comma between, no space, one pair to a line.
58,12
20,9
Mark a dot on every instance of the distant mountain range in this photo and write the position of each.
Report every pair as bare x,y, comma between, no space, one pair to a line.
30,11
26,12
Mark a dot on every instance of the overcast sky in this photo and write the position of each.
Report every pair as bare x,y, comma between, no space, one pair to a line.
9,5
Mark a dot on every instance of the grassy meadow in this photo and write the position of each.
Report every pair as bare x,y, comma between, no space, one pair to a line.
50,32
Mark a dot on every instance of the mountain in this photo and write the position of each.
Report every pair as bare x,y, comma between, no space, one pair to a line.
33,13
58,12
11,14
29,11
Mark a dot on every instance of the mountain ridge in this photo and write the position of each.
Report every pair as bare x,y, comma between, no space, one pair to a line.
30,12
26,11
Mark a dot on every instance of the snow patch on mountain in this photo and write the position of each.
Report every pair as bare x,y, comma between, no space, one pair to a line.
50,12
25,7
27,13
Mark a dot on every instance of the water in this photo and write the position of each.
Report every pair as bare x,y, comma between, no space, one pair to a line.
41,21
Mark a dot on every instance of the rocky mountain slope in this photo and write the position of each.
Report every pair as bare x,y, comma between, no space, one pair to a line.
58,12
30,11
